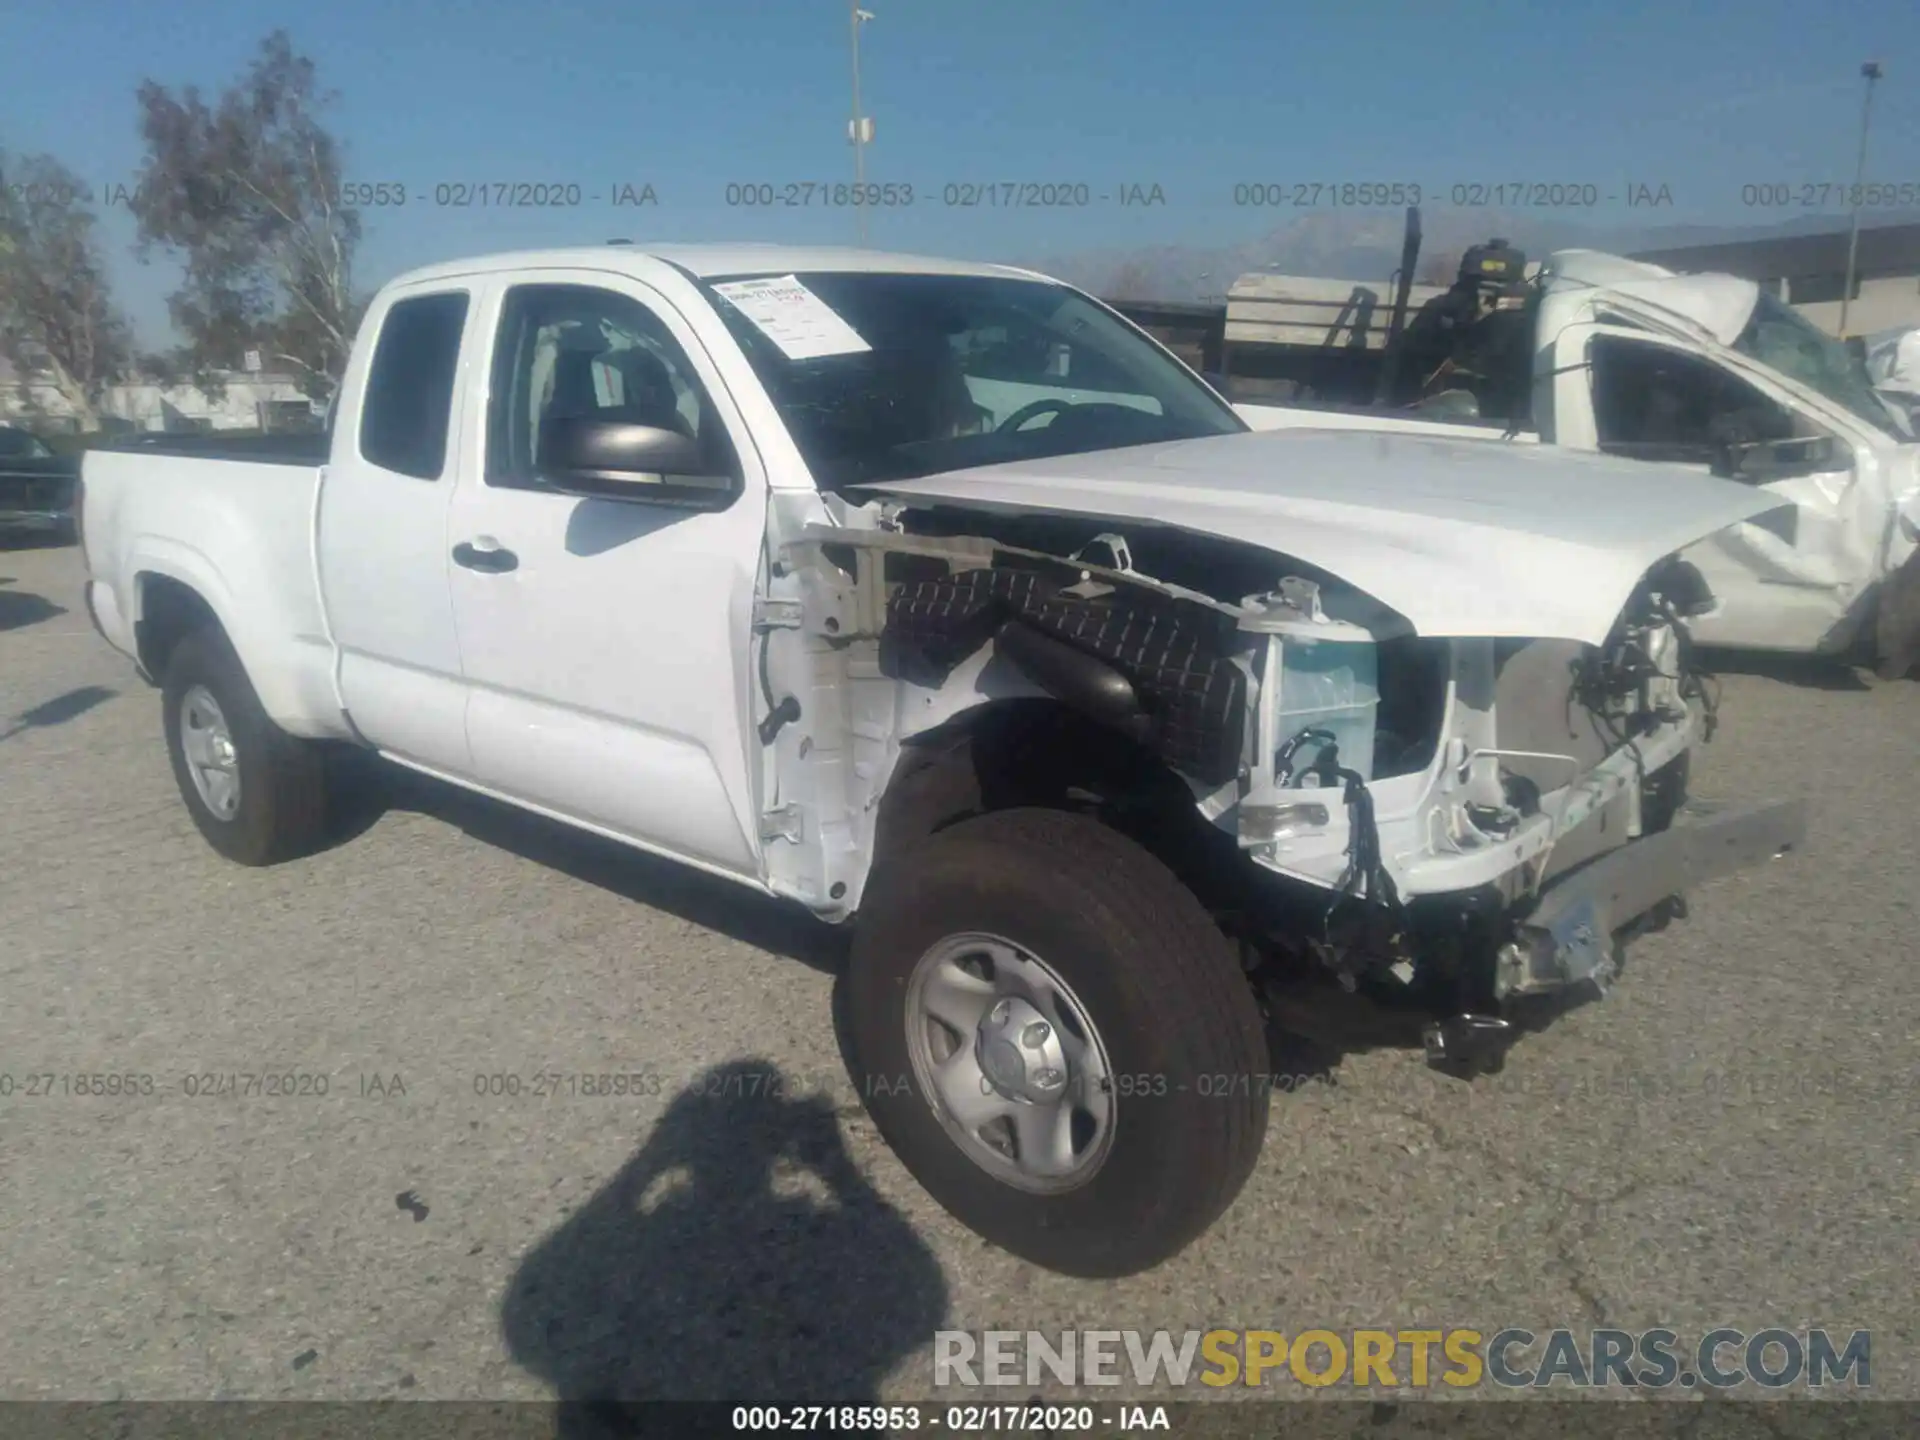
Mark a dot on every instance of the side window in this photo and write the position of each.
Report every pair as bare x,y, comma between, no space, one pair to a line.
573,351
407,414
1656,403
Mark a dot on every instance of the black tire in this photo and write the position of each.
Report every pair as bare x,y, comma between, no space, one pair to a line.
1159,982
1895,623
282,812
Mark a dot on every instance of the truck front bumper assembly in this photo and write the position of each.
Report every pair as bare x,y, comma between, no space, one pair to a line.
1572,934
1569,935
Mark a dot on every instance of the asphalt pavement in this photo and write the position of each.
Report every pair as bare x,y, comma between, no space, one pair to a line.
333,1169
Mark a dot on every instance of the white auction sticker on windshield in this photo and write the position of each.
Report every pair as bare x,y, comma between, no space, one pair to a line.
803,325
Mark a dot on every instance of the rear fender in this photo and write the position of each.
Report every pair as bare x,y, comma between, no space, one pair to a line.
287,693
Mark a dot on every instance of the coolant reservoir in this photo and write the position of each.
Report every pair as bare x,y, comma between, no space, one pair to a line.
1330,682
1328,672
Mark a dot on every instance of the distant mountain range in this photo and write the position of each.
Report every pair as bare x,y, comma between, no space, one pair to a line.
1365,245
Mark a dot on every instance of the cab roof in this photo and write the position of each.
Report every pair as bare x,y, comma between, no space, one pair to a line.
710,262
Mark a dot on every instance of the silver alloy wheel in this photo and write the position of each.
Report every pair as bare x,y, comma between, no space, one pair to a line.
212,762
1015,1069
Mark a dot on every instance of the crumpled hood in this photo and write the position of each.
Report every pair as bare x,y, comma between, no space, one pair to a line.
1462,537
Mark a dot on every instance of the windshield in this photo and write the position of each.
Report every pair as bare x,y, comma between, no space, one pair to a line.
1788,342
905,375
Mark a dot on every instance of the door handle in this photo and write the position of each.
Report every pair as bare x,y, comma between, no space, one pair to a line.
491,559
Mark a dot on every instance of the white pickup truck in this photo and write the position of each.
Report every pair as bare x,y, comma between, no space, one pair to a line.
1711,372
939,595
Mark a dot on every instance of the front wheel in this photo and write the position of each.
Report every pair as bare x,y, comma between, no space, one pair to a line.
1058,1041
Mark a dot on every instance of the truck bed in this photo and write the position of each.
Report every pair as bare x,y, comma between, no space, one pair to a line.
299,448
238,532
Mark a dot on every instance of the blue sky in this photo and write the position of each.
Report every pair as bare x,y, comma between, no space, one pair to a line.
1702,96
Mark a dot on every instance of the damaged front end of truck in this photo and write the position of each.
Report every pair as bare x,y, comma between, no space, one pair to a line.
1456,825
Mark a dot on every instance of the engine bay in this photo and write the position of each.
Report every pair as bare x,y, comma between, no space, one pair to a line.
1384,807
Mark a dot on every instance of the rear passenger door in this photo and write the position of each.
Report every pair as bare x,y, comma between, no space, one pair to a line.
382,543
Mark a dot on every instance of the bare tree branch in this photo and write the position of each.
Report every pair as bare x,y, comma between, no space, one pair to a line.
246,192
57,315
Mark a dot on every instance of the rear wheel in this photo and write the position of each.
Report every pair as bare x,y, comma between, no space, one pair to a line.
1057,1041
256,793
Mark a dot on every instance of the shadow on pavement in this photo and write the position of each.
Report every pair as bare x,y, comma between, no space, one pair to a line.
739,1256
1810,672
58,710
21,608
369,787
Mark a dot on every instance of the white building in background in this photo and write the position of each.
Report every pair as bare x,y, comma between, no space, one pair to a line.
252,402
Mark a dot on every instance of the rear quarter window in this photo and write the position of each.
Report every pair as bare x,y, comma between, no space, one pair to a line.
407,413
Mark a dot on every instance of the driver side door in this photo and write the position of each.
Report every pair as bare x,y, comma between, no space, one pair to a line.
605,641
1782,579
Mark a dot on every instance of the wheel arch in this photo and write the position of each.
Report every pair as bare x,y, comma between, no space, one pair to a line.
1025,753
167,609
175,593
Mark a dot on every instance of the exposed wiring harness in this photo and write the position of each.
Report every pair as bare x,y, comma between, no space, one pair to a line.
1365,878
1694,680
1603,678
1625,670
781,714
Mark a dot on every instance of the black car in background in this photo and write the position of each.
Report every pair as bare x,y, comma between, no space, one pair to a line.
36,485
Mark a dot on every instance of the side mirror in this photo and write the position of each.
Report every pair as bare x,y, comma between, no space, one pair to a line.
1768,460
617,460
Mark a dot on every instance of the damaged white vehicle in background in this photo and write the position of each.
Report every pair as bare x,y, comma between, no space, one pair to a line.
1893,364
936,597
1711,372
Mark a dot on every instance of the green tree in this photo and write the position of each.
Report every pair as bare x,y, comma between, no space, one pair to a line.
57,315
245,193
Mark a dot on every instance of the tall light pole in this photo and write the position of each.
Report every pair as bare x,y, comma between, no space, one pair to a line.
1871,73
859,128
